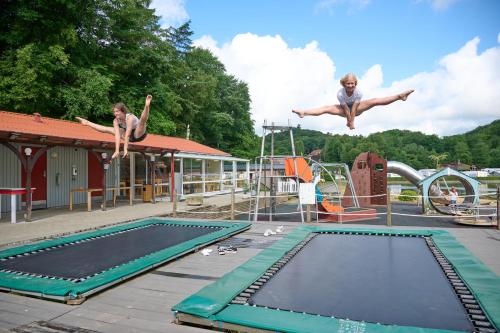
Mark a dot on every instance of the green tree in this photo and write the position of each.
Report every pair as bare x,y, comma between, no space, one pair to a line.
69,58
481,154
462,152
437,158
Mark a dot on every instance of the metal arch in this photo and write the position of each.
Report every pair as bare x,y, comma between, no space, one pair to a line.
471,186
470,193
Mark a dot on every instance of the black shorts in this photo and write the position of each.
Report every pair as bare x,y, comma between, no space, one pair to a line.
132,137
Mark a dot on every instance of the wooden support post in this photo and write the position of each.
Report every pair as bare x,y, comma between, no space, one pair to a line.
152,163
232,204
174,206
31,161
172,176
389,208
105,167
28,188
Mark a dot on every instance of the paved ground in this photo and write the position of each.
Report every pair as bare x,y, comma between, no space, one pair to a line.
53,222
143,304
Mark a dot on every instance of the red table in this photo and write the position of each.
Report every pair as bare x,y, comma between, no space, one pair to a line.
13,206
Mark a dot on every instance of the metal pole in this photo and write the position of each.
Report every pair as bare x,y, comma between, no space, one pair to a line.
308,213
389,208
232,204
259,174
498,207
296,171
272,203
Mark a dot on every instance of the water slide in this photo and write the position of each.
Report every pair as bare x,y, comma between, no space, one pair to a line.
414,177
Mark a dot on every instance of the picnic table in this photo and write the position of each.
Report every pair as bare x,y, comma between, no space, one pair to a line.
89,191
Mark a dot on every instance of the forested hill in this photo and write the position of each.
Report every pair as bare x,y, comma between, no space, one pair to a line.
77,58
480,147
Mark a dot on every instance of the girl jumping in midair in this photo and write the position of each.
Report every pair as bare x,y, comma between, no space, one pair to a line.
351,104
126,126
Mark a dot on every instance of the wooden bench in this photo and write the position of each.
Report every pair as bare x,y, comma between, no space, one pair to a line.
89,191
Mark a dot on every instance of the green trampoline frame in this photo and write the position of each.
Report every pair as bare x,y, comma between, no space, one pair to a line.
210,306
76,292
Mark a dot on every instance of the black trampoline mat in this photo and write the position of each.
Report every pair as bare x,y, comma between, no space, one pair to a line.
84,259
379,279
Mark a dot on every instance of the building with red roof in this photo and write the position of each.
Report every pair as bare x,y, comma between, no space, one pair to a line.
58,157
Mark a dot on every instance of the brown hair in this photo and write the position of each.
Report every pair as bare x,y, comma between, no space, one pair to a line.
347,77
121,107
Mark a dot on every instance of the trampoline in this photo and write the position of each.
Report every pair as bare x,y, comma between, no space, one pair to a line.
72,268
353,280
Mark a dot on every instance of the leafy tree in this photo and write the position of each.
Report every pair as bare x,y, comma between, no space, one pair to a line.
462,152
481,154
437,158
69,58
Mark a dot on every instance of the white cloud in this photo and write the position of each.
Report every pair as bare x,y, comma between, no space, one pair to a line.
459,95
172,12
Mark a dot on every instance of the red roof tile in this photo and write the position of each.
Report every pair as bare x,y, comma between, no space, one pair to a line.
54,129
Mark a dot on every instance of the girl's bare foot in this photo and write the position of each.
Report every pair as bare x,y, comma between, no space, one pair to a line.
300,114
82,121
351,126
403,96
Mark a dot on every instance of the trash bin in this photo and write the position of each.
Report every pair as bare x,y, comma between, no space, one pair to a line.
147,193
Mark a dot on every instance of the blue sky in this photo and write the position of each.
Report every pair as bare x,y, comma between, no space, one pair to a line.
403,36
292,54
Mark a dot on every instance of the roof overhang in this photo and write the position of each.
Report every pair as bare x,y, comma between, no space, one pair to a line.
44,140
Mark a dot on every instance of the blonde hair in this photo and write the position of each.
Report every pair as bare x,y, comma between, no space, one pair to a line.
121,107
347,77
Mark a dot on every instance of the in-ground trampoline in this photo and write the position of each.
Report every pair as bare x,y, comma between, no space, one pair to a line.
72,268
353,280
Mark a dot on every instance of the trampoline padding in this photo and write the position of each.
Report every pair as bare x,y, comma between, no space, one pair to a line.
80,260
61,288
213,302
379,279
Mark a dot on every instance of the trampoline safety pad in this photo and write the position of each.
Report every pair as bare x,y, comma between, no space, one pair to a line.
73,267
323,279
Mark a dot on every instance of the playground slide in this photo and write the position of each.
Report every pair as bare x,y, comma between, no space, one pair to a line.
328,207
304,171
305,174
414,177
405,171
331,208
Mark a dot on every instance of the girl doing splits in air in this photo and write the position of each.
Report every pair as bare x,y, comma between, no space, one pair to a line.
351,104
126,126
